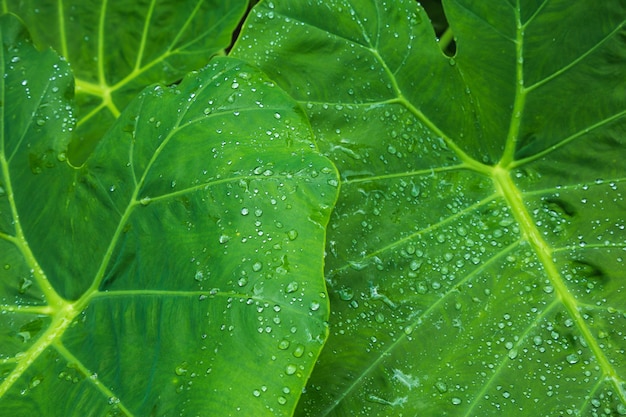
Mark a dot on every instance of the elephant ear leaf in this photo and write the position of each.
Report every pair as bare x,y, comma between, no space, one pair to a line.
476,254
179,270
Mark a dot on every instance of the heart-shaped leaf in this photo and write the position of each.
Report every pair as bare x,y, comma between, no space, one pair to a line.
116,48
476,253
179,270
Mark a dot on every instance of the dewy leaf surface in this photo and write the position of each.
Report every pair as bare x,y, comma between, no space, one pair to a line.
116,48
179,270
475,259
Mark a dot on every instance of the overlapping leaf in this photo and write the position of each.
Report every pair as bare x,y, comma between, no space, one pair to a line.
476,254
179,270
116,48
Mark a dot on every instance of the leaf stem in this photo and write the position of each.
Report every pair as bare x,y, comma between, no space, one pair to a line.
446,38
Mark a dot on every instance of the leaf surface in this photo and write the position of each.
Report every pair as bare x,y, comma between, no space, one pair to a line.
116,48
179,270
475,258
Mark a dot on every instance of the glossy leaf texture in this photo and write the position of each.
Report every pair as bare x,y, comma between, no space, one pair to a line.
116,48
475,259
179,270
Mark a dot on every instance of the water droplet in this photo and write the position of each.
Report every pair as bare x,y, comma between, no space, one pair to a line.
572,358
181,369
290,369
456,400
257,266
291,287
441,386
298,351
292,234
283,344
346,294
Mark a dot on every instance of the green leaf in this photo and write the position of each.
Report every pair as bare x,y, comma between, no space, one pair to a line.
476,254
179,270
116,48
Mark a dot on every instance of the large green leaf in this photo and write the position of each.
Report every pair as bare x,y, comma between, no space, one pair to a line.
116,48
476,254
179,270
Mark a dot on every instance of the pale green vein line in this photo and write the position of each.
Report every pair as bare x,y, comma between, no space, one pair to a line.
144,36
168,52
603,309
478,397
573,187
544,253
170,293
183,29
101,55
520,96
3,100
22,244
468,160
535,14
229,113
428,171
590,246
22,309
64,316
202,295
62,33
420,232
203,186
485,22
589,397
411,328
350,106
95,111
577,60
367,47
8,361
92,378
572,137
